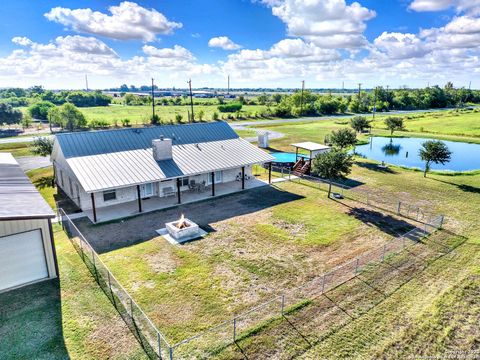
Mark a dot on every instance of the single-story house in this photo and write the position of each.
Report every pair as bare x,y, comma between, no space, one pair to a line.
27,251
102,169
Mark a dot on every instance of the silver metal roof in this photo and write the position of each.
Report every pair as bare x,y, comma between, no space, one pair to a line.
311,146
18,197
126,163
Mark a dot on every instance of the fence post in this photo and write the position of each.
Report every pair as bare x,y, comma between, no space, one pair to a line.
289,174
159,346
425,229
399,207
131,308
94,265
234,329
323,283
440,225
171,352
283,304
282,171
418,212
356,266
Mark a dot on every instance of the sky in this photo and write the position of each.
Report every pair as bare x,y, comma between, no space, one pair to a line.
258,43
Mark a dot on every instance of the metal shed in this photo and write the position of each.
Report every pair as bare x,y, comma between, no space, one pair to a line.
27,251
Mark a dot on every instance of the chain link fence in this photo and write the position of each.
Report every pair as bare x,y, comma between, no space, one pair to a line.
153,342
215,339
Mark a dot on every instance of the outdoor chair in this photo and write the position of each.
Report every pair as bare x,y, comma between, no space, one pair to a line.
192,186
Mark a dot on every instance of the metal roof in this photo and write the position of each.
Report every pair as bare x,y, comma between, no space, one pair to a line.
18,197
127,163
311,146
87,143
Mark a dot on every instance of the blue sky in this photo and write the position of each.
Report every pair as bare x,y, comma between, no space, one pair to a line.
260,43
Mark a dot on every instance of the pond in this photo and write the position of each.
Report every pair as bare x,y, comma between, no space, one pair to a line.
404,152
286,157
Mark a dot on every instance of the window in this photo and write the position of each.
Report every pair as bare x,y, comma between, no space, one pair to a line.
109,195
184,181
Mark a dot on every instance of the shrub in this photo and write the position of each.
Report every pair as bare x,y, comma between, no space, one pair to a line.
125,122
230,107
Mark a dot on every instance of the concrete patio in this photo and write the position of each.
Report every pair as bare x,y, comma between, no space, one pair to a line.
130,208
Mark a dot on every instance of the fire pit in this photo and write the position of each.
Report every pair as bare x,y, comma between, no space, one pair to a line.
183,229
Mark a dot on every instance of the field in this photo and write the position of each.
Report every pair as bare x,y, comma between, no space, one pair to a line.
70,318
140,114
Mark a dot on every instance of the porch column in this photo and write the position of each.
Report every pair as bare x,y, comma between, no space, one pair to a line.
92,195
296,154
212,174
269,172
243,177
139,199
178,191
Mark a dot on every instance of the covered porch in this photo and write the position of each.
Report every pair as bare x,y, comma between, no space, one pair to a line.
139,206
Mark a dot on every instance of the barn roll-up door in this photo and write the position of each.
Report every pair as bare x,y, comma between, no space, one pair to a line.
22,259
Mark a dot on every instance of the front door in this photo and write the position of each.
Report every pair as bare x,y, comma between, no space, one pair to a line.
146,190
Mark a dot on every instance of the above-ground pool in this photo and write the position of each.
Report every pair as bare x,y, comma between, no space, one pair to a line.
404,152
286,157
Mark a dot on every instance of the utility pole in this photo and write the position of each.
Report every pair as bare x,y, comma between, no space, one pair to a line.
470,86
301,101
359,90
343,86
86,82
191,99
153,102
228,85
374,101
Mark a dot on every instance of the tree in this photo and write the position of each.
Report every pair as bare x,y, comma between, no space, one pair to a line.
201,114
332,165
359,123
39,110
71,117
155,119
42,146
215,116
343,138
26,122
434,151
9,115
394,123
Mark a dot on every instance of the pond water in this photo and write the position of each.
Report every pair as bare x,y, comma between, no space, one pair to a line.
404,152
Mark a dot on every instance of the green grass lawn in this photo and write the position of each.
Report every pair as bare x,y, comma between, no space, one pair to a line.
464,123
70,319
141,114
17,149
247,259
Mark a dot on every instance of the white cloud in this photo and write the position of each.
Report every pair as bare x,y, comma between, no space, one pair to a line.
401,46
224,43
327,23
68,58
177,52
127,21
469,6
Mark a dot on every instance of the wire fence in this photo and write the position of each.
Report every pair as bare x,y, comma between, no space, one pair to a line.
215,339
379,200
151,339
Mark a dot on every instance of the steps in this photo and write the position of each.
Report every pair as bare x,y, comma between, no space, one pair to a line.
302,167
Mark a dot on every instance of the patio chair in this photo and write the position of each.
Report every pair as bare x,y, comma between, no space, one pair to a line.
202,186
192,186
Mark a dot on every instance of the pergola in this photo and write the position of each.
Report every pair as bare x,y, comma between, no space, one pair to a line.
313,148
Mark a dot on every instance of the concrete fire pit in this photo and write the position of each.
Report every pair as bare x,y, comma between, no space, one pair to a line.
182,230
188,229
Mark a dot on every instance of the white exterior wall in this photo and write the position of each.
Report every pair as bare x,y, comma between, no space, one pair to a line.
315,153
11,227
83,199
